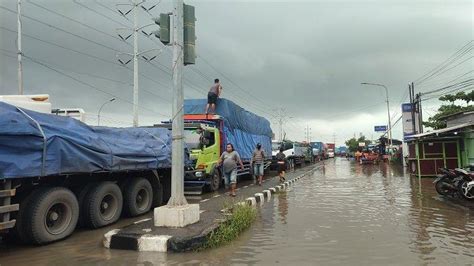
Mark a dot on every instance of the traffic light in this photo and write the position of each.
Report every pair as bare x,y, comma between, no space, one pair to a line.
189,35
164,33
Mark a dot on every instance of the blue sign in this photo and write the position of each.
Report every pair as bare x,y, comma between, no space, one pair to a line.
380,128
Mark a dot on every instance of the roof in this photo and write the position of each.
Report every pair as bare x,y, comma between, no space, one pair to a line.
441,131
457,113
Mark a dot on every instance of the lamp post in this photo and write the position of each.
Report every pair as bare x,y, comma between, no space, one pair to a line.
388,109
100,109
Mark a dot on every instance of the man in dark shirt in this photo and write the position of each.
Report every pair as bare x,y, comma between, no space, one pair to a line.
212,95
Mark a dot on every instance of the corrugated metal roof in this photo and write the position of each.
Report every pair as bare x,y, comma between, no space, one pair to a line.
441,131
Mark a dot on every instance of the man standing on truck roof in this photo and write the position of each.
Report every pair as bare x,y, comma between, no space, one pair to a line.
258,157
212,96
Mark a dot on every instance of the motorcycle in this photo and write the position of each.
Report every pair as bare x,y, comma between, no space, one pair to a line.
465,184
447,182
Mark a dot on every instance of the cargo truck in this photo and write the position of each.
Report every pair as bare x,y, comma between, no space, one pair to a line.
57,172
206,136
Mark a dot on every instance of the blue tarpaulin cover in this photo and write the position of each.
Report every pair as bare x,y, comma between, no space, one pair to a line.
36,144
242,128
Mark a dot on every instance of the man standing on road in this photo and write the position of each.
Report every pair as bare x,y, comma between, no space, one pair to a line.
257,161
212,96
229,160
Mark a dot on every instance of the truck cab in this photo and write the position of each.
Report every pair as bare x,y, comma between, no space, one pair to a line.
205,141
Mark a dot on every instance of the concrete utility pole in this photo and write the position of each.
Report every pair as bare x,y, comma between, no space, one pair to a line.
135,62
388,109
20,66
177,186
178,213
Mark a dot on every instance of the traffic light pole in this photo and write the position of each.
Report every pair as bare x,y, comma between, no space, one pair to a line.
177,185
20,66
178,213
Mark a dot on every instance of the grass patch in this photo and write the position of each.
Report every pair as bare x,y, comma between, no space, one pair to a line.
239,219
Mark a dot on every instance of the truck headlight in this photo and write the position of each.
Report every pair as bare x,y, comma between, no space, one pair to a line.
198,174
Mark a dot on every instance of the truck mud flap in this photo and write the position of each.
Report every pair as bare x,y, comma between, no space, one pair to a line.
6,193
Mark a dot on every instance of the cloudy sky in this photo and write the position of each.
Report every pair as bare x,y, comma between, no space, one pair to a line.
307,57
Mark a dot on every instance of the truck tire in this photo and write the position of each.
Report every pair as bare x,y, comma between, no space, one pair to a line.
17,234
81,194
102,205
215,180
137,197
157,196
52,215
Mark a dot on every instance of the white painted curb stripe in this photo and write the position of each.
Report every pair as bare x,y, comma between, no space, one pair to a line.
108,237
252,201
260,195
153,243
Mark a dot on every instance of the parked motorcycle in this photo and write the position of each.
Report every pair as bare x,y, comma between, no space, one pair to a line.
465,184
446,183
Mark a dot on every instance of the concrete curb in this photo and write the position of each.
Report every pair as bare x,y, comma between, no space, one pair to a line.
114,239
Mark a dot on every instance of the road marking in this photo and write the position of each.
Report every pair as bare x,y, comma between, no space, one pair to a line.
204,200
246,186
216,196
142,221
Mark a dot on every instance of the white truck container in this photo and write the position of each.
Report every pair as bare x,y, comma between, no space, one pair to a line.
39,103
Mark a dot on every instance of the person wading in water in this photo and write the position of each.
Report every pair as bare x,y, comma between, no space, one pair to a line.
281,161
229,160
257,161
212,96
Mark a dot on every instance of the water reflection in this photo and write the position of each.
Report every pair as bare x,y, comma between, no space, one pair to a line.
346,213
283,206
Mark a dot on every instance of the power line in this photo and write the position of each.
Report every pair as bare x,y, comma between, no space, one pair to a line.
78,22
86,84
458,54
85,54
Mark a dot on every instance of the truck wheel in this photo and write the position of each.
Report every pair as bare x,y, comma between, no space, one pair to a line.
137,197
102,205
81,195
215,180
17,234
157,196
52,215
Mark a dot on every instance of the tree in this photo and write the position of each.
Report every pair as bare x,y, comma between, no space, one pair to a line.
438,121
353,143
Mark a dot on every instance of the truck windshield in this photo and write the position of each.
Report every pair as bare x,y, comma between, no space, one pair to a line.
191,137
276,146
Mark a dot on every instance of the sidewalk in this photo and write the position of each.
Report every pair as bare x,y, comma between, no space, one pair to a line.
144,236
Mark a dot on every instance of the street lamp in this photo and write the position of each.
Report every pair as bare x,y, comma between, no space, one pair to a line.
388,109
100,109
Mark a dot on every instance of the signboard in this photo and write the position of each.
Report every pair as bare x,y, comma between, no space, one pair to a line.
361,144
407,121
380,128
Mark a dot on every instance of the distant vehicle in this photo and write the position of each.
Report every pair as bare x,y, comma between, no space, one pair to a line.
341,151
318,150
76,113
292,150
331,153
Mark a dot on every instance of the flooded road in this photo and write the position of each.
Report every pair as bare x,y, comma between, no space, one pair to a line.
343,214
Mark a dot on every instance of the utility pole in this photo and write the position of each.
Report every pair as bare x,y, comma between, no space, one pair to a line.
334,138
20,66
308,134
281,119
177,170
136,5
411,88
135,62
178,213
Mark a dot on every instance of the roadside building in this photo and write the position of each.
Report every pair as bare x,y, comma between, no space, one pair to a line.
450,147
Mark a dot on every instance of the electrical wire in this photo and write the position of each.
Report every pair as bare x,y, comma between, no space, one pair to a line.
458,54
87,84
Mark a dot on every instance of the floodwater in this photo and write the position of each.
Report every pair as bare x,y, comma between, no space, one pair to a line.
343,214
